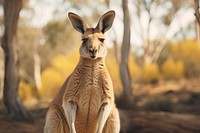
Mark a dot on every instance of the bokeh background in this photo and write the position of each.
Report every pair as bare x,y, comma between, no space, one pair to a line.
162,57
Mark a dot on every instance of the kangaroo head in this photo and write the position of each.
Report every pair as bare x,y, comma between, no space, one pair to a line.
93,46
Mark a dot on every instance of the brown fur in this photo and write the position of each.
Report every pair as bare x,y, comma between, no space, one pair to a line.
87,94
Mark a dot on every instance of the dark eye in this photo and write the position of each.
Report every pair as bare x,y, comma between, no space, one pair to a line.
84,40
101,40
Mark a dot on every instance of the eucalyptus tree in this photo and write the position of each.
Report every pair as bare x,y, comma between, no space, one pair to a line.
11,78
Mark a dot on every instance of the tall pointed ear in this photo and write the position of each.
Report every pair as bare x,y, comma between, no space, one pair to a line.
106,21
77,22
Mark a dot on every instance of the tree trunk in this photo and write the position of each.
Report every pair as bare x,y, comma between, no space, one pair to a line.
147,44
11,78
197,15
37,71
116,52
124,71
37,74
1,73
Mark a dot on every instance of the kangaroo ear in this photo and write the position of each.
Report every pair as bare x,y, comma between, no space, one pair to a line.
106,21
77,22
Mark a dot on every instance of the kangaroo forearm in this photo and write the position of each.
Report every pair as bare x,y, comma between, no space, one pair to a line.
70,108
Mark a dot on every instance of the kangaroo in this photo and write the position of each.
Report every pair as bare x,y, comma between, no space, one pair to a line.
85,102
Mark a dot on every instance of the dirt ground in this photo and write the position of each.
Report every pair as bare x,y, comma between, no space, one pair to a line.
183,118
131,122
15,126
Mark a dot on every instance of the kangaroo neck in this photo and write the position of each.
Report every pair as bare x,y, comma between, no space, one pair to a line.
91,63
91,68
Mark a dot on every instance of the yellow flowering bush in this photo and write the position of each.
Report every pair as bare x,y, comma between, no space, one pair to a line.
172,69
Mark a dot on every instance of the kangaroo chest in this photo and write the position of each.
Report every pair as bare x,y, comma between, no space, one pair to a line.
90,92
89,96
89,86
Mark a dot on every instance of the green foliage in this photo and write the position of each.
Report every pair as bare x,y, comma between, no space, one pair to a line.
172,69
159,104
59,34
27,40
59,38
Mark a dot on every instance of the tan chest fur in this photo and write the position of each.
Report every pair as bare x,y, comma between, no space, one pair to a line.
89,86
88,107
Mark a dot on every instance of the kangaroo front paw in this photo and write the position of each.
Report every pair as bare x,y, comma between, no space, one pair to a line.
98,131
73,131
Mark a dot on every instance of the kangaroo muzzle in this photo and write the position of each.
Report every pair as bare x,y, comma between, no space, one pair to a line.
92,52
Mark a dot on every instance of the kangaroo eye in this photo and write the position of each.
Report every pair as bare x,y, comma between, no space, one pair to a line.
84,40
101,40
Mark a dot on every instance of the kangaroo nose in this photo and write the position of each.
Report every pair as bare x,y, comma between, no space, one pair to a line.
92,52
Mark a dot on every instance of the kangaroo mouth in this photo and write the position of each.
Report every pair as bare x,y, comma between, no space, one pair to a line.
93,57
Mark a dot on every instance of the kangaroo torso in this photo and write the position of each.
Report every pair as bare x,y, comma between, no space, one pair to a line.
90,86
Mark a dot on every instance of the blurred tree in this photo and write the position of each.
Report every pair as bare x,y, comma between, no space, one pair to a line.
33,22
113,68
1,73
153,48
25,40
114,41
37,37
32,39
59,38
11,79
197,15
1,55
86,6
124,70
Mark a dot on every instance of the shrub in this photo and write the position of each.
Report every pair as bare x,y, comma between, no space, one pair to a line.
194,98
65,64
172,69
51,82
54,75
159,104
135,70
150,73
188,51
25,91
113,68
